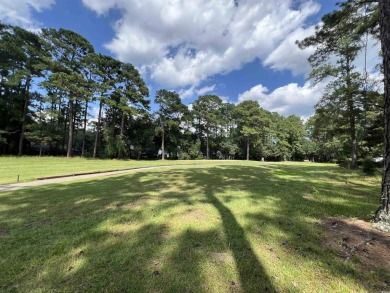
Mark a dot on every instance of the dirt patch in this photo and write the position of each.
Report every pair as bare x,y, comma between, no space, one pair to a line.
193,214
131,206
357,241
165,236
4,233
222,257
38,224
311,197
135,204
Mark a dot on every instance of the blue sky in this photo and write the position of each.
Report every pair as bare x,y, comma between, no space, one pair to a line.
197,47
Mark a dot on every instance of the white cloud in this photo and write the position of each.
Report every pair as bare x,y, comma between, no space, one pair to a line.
288,56
286,100
19,12
195,92
182,43
225,99
205,90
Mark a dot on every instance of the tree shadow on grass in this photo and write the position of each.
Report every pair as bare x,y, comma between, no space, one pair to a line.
291,222
253,277
116,233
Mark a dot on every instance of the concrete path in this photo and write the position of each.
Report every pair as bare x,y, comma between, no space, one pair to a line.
15,186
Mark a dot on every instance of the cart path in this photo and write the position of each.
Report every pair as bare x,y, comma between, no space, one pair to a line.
15,186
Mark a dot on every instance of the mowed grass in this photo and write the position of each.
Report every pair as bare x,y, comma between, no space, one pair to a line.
234,227
31,168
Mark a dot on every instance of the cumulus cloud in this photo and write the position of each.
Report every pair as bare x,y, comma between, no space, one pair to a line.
182,43
195,92
19,12
287,56
286,100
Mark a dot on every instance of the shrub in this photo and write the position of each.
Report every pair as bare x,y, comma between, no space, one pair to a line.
185,156
344,162
369,166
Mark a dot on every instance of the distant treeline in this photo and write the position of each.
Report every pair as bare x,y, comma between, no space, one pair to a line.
50,80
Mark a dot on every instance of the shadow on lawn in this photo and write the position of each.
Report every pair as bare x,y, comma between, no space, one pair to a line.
70,229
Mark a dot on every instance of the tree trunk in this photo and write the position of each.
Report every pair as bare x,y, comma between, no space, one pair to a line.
84,129
123,123
70,130
382,216
352,121
25,108
247,148
97,130
162,143
352,125
75,126
122,130
207,146
40,149
64,132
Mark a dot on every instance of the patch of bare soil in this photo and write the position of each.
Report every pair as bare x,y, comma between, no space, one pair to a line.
357,241
135,204
222,257
194,214
4,233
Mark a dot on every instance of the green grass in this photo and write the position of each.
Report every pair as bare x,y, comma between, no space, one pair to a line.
231,227
31,168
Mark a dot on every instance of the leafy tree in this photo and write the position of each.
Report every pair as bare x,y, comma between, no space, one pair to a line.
27,55
104,72
132,92
69,51
295,135
344,90
169,115
114,143
141,132
229,148
207,113
127,99
325,134
41,132
249,119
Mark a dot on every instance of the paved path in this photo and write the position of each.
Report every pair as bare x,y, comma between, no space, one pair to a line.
15,186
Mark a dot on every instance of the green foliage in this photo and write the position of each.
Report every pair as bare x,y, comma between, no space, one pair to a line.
349,97
369,167
169,118
207,111
75,77
3,140
344,162
115,145
193,153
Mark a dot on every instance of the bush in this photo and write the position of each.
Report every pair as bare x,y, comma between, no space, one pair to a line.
185,156
344,162
369,166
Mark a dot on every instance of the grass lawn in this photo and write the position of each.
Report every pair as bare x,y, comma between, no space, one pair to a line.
30,168
231,227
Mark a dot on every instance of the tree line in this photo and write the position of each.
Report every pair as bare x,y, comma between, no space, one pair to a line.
50,79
